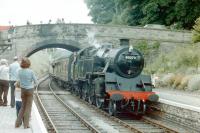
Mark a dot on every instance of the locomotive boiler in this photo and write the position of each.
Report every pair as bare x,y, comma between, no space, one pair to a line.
110,77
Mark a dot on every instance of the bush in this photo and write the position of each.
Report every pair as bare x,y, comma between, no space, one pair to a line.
177,68
177,61
196,31
193,83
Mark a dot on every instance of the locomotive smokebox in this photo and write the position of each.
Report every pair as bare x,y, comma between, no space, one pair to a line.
124,42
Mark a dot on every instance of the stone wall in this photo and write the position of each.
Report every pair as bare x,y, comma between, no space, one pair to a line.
102,31
186,117
24,37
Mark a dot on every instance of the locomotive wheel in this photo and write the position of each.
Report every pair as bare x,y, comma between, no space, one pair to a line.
76,92
112,108
84,94
84,91
80,93
98,102
73,91
91,96
91,99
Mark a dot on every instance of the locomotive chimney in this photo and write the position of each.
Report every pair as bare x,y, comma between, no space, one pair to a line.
124,42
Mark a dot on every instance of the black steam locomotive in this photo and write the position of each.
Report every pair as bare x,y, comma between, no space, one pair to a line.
107,77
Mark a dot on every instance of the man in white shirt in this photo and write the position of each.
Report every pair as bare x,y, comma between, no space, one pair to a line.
13,68
4,82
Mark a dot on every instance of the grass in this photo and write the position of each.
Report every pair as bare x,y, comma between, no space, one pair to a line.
178,69
180,60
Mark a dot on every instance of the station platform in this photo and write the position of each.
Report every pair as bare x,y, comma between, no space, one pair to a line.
187,100
183,99
8,117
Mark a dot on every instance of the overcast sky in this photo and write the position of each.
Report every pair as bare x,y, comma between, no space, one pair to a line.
19,11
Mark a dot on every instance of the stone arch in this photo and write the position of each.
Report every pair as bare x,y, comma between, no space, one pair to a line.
54,43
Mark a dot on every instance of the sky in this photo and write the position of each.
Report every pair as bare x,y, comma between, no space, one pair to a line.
18,12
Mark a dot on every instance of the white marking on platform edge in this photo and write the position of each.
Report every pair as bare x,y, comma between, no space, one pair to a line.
185,106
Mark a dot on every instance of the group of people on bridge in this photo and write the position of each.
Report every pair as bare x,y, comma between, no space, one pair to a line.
21,80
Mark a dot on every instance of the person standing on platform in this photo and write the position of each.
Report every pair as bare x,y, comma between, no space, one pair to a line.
18,99
27,81
1,92
13,68
4,82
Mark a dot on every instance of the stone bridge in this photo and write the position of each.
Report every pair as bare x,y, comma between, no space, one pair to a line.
26,40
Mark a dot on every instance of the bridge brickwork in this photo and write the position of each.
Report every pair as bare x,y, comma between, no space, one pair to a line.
31,38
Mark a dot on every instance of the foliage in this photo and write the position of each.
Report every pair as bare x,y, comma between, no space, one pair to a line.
178,13
149,50
179,60
196,31
156,45
102,11
146,48
143,47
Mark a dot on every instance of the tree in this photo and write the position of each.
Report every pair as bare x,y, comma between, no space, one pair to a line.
181,13
196,31
169,12
102,11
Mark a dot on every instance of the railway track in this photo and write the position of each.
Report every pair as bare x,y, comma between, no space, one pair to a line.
68,113
144,125
187,121
60,116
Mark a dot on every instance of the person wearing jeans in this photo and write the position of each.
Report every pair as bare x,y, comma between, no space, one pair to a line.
13,68
18,100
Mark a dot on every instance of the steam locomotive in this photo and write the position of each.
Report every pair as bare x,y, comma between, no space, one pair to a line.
109,77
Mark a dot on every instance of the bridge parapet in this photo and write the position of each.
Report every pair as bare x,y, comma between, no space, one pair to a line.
136,33
30,37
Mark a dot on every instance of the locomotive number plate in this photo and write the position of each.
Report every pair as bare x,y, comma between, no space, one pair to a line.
129,57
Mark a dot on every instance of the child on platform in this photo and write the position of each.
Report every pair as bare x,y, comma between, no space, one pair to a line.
18,100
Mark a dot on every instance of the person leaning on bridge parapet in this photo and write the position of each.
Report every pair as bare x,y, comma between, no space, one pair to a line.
4,82
25,78
13,68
